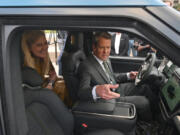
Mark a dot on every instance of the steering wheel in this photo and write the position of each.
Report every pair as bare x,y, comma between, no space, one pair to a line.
145,68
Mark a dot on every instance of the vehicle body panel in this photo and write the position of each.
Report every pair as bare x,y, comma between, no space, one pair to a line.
81,3
145,18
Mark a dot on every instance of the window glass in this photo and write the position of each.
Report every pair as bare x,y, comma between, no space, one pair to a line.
123,44
56,40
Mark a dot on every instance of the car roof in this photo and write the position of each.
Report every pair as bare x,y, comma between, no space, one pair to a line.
57,3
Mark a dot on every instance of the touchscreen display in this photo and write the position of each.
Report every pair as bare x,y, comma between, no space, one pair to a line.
176,80
171,92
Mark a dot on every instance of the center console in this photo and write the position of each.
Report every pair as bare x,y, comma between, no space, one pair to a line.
105,114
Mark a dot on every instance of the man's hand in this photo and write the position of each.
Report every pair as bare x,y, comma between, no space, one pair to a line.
147,46
104,91
133,74
154,50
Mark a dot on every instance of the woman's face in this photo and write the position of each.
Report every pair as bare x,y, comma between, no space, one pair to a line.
40,47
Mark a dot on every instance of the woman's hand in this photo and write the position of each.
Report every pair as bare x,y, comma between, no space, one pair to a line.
49,86
52,78
52,75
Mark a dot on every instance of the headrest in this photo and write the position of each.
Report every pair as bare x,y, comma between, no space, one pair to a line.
74,44
71,61
31,77
78,56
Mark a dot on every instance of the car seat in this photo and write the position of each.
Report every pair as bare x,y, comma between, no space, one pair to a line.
72,57
46,113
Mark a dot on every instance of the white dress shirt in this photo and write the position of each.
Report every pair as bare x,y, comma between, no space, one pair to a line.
117,42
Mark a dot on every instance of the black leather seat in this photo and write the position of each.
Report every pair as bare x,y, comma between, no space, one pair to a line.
46,113
72,57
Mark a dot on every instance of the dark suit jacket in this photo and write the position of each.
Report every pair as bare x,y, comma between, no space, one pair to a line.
90,74
124,45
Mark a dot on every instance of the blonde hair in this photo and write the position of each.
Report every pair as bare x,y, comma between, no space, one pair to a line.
42,66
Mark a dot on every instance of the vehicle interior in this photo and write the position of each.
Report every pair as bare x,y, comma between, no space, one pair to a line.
160,73
45,113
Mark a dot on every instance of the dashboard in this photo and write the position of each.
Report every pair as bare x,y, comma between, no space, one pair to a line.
170,91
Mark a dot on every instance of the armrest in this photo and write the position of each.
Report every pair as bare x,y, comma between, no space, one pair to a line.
101,107
105,114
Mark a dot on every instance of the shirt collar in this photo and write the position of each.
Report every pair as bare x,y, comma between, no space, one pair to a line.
99,60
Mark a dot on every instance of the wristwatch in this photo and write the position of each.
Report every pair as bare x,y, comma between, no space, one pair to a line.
51,82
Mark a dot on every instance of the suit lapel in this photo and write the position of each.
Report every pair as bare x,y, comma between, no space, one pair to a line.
98,68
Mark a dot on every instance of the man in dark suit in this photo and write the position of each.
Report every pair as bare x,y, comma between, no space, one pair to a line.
119,44
96,81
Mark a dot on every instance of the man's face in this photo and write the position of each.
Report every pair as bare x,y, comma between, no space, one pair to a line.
103,49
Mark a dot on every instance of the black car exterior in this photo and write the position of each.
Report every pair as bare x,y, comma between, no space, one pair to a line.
152,21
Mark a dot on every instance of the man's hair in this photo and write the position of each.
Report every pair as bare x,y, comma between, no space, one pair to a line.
99,35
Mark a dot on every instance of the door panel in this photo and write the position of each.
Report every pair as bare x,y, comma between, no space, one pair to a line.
125,64
122,64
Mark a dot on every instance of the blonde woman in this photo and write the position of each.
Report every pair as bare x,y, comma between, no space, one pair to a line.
35,48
